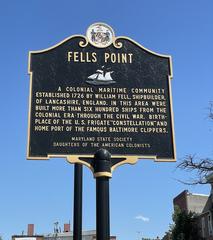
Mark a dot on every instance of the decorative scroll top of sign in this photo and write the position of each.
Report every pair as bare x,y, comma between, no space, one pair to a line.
100,92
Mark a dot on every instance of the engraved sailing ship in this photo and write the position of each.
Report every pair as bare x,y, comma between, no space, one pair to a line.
101,77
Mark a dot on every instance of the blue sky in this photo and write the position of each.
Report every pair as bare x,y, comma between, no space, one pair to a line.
141,195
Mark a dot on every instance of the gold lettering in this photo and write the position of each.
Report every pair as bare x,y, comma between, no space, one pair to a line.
69,56
118,57
76,57
82,57
124,58
106,57
130,57
113,57
94,57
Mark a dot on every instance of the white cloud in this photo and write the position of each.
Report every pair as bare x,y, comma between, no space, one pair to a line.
140,217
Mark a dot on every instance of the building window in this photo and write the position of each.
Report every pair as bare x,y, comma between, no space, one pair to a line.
210,224
203,226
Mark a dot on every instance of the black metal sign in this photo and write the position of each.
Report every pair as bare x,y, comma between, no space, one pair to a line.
97,91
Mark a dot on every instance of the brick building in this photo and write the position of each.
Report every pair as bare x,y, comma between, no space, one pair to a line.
191,202
57,234
29,236
201,205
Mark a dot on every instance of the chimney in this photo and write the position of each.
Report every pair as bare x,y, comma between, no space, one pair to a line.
30,230
66,227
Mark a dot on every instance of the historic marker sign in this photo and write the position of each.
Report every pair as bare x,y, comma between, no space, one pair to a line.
100,91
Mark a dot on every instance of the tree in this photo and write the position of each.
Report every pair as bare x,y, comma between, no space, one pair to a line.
202,167
168,235
185,226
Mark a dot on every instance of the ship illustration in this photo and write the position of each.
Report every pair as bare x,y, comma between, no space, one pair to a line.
101,77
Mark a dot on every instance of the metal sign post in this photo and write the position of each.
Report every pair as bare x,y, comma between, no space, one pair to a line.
102,168
77,207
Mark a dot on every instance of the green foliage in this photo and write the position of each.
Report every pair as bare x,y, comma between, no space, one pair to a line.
168,235
185,226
